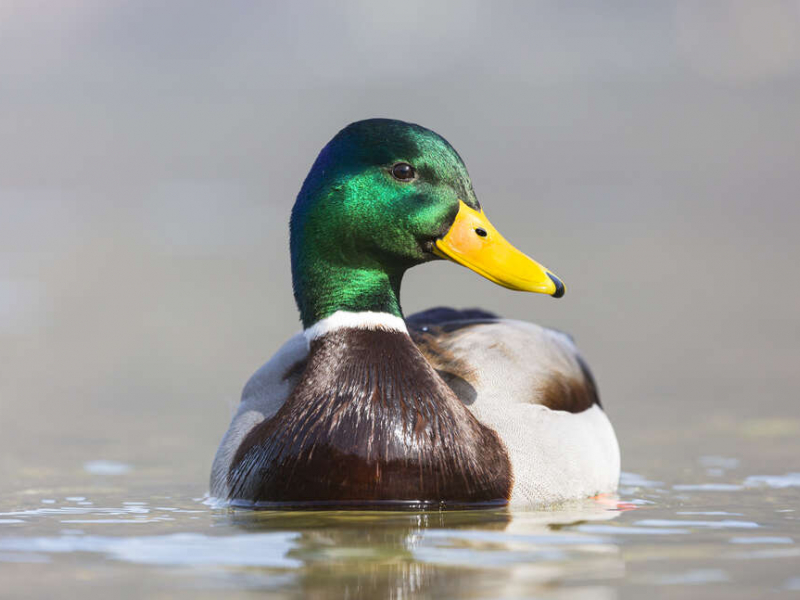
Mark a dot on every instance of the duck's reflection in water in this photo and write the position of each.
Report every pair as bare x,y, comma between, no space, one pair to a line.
472,554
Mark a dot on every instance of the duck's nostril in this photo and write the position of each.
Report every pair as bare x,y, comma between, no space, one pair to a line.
481,231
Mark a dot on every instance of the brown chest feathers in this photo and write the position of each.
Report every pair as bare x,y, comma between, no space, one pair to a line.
370,422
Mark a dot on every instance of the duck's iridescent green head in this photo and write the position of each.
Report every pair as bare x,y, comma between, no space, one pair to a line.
381,197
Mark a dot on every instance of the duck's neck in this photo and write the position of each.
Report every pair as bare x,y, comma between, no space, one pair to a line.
322,289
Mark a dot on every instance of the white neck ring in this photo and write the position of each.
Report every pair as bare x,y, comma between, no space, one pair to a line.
373,321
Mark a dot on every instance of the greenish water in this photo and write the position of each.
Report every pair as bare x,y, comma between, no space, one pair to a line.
732,536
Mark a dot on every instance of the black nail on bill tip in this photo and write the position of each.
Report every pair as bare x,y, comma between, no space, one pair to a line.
559,286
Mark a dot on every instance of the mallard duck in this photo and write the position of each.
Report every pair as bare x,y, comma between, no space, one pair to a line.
445,407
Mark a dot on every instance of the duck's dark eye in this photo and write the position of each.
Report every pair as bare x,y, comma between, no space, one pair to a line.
403,172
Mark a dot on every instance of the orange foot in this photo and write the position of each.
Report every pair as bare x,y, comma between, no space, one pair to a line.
611,502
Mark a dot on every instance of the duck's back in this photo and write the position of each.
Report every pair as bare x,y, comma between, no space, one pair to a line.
525,382
531,386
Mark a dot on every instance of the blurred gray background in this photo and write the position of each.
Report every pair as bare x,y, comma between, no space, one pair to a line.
150,153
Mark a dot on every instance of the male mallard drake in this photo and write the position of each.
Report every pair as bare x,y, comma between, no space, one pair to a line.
446,407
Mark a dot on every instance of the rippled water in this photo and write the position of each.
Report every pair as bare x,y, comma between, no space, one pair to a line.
735,538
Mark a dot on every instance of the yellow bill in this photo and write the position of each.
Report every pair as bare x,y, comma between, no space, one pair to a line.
473,242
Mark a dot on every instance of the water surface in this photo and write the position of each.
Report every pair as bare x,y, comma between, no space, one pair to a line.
734,538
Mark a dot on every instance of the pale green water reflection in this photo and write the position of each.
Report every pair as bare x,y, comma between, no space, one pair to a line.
654,537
